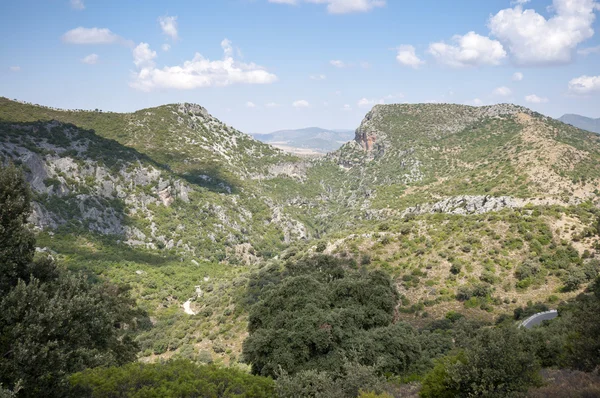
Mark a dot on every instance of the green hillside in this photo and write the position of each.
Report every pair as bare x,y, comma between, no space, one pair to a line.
472,210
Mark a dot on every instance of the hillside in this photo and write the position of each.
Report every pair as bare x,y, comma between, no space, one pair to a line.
307,140
479,210
582,122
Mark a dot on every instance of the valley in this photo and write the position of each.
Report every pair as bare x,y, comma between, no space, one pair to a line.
480,211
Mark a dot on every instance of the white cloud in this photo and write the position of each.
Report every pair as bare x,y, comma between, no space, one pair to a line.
469,50
364,64
346,107
272,105
318,77
477,102
589,50
199,72
339,6
337,63
502,91
83,35
535,40
169,26
407,56
165,47
250,104
534,99
15,68
90,59
143,56
583,85
517,77
77,4
365,102
300,104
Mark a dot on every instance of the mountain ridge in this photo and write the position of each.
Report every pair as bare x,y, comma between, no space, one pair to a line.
582,122
470,209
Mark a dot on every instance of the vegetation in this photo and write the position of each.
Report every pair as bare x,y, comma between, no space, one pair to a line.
177,379
401,262
52,323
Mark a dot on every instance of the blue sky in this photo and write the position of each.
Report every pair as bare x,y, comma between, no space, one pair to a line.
263,65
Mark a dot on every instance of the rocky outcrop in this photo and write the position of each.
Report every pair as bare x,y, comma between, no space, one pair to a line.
466,204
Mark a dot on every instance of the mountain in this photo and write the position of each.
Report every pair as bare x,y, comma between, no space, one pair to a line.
582,122
307,140
478,210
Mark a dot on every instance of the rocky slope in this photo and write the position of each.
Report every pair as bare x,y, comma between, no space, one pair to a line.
472,209
171,177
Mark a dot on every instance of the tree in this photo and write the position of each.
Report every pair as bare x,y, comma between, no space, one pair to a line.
17,243
52,322
498,363
321,313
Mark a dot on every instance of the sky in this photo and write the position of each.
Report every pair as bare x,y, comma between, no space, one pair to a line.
266,65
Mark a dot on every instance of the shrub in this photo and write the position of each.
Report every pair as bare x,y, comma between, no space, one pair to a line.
178,378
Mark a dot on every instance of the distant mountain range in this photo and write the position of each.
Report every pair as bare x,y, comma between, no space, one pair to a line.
311,140
582,122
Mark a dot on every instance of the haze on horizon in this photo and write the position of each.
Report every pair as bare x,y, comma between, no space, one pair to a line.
263,66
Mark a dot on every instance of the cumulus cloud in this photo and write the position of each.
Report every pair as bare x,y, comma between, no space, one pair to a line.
502,91
250,104
197,73
468,50
346,107
337,63
589,50
83,35
77,4
407,56
300,104
90,59
517,77
365,102
534,99
272,105
318,77
15,68
584,85
143,56
534,40
339,6
169,26
165,47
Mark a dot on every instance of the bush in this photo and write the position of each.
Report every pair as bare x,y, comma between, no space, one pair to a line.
498,363
178,378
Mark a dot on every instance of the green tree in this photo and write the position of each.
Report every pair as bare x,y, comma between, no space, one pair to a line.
52,322
17,243
498,363
321,313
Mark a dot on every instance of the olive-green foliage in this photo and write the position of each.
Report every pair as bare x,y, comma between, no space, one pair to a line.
55,328
319,384
573,339
52,323
499,363
17,242
321,313
178,378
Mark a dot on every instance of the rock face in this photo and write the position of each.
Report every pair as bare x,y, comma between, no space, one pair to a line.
466,204
83,181
369,137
